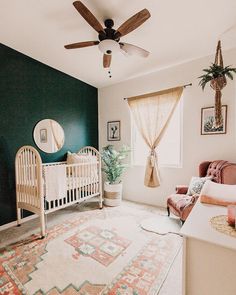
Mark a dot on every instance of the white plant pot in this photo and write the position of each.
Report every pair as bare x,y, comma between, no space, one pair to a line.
112,194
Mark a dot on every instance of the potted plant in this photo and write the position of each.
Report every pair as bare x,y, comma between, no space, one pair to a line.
113,169
216,75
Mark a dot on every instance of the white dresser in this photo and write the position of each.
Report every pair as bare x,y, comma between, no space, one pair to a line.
209,257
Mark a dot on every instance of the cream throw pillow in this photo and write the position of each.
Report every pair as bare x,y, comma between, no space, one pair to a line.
89,170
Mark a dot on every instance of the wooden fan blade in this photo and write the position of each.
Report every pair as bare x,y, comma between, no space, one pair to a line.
81,44
88,16
132,23
132,49
106,60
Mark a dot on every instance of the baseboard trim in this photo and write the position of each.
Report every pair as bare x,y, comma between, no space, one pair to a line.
14,223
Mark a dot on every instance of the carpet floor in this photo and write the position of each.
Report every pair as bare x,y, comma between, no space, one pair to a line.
90,251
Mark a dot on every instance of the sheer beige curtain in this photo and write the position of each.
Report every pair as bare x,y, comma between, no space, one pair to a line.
152,113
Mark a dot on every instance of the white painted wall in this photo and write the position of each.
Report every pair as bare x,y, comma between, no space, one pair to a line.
196,147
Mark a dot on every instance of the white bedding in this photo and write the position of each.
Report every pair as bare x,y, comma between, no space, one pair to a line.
56,182
73,182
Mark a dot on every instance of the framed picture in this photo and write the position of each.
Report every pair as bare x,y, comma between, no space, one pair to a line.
207,121
43,135
113,131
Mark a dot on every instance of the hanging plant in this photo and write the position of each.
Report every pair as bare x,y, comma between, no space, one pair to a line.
215,73
217,76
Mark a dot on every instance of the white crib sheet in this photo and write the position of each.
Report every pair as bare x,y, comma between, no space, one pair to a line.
79,182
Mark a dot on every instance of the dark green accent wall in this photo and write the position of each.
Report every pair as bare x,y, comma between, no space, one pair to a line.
29,92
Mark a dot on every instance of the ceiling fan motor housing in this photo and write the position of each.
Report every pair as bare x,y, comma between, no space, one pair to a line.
108,43
109,32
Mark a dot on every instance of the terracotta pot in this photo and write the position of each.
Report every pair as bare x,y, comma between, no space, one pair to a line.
112,194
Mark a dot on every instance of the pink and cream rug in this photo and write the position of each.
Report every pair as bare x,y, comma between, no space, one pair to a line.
97,252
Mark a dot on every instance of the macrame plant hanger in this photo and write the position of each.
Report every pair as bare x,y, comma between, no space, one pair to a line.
218,84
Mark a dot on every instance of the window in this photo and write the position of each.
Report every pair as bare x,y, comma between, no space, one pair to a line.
170,148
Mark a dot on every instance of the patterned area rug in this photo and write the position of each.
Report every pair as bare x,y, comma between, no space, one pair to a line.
162,225
97,252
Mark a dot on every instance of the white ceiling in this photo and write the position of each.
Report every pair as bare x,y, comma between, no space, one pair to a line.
176,32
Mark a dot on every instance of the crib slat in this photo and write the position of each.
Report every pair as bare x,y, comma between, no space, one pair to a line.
36,204
34,180
31,190
77,185
24,177
69,183
73,182
28,178
18,178
90,179
85,182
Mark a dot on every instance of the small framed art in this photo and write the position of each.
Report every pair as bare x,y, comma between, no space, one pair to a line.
207,121
43,135
113,130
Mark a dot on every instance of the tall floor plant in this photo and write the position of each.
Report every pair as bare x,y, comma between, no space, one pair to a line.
113,167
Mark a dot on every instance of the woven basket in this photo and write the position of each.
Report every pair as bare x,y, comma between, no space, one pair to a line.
218,83
112,194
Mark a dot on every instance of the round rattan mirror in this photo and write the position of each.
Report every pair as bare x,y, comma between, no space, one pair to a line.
49,136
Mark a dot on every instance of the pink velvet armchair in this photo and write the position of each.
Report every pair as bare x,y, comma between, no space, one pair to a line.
181,204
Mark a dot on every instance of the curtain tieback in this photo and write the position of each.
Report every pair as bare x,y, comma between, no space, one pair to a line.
153,157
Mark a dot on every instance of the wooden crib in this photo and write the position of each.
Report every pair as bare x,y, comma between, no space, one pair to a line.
34,183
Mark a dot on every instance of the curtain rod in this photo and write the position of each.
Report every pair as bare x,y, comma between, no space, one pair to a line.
186,85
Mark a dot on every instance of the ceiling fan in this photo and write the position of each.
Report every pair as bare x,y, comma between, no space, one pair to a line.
109,38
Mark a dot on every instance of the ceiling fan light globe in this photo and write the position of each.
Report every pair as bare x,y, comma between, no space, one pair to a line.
109,46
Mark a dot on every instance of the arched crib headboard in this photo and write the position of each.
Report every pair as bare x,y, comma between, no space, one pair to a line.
28,169
29,186
89,150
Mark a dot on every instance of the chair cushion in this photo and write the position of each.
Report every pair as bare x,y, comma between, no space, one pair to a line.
178,202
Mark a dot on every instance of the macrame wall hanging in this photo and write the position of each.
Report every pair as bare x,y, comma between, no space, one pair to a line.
218,84
216,74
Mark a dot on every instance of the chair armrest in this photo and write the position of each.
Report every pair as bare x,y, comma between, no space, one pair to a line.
188,208
181,189
194,198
